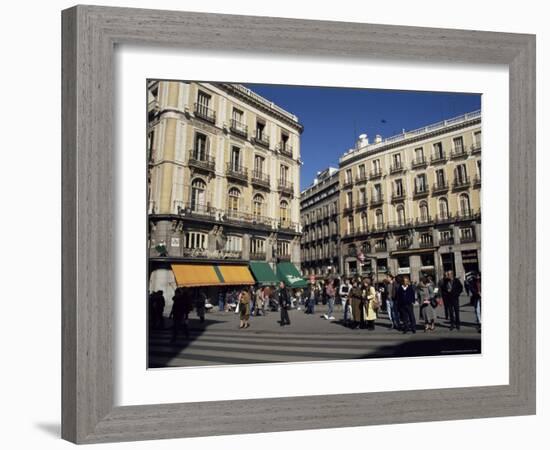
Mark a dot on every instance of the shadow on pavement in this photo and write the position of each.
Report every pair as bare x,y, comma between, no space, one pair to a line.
431,347
163,338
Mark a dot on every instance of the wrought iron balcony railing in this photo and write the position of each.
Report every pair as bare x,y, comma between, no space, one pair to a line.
237,172
201,160
204,112
238,128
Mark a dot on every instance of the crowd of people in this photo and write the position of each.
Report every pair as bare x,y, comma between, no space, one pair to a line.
360,301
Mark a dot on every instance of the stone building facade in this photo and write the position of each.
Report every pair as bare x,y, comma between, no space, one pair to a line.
410,204
223,178
320,216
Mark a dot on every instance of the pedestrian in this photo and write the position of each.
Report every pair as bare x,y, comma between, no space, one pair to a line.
310,299
331,298
221,300
475,288
181,308
284,303
444,298
343,292
259,303
451,290
356,298
201,304
370,303
426,297
244,308
391,304
405,297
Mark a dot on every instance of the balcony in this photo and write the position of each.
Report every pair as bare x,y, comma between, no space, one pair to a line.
378,227
477,181
458,152
238,128
347,183
468,215
438,188
399,225
446,240
419,162
420,192
258,256
290,226
236,172
260,179
397,196
261,139
403,244
347,209
201,161
461,183
475,148
426,241
440,219
397,167
285,187
423,221
438,158
361,178
377,200
376,173
204,112
284,258
241,217
361,204
380,248
198,210
284,149
467,239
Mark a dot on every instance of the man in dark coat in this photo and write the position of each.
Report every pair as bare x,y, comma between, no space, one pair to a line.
405,298
183,304
451,290
284,303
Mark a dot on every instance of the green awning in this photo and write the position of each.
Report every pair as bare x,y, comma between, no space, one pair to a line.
288,273
263,273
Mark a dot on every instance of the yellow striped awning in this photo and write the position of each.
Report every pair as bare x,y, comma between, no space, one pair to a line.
236,275
192,275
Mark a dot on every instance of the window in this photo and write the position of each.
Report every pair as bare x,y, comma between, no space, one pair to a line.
260,130
440,177
257,246
259,164
364,222
349,200
477,139
379,218
284,173
380,245
466,234
283,212
362,171
237,117
419,155
283,248
350,224
195,240
398,187
377,195
460,173
425,239
203,100
348,176
424,212
478,167
200,149
258,205
376,166
443,208
397,160
446,236
400,211
284,141
234,244
362,196
150,145
234,199
458,145
198,195
464,201
420,183
235,158
438,150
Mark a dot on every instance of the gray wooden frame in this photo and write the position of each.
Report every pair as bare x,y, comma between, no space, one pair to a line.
89,36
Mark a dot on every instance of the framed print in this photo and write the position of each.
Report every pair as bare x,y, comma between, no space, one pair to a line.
239,206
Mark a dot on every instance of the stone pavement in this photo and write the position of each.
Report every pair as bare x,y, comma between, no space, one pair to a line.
309,338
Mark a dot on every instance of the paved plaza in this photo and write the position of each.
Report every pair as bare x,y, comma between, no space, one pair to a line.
309,338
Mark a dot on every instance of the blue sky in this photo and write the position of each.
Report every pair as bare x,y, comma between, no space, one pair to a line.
334,117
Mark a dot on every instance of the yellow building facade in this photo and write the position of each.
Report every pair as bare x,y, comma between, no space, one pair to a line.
411,204
223,177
